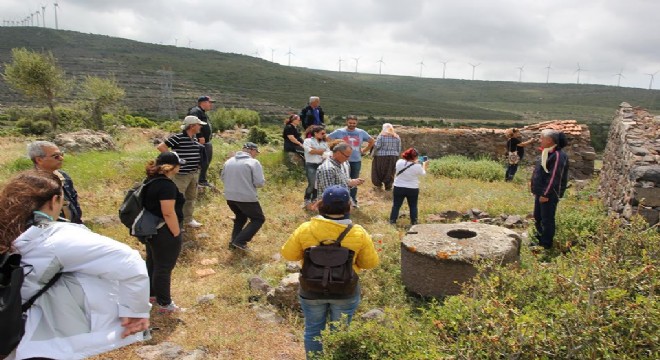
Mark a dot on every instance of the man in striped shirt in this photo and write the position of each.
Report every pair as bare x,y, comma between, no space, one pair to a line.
185,144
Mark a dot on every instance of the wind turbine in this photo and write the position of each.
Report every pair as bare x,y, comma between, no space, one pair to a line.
520,71
421,66
357,59
38,13
256,53
176,41
272,55
380,64
547,74
340,61
289,54
444,67
651,82
43,15
578,71
620,75
55,5
474,66
189,43
31,19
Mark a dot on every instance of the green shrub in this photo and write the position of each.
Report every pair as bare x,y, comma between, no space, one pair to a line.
171,126
138,121
257,135
225,119
458,166
31,127
19,164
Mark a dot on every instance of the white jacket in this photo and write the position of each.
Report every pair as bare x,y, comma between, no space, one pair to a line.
79,316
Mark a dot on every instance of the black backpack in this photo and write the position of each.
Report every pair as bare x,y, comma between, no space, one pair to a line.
13,314
328,269
132,205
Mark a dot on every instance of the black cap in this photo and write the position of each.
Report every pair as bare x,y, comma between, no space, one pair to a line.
170,158
204,98
251,146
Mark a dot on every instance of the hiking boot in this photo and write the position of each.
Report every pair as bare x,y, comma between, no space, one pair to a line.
194,224
169,309
243,248
205,184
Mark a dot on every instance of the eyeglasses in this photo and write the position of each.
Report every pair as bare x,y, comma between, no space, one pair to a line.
58,155
346,156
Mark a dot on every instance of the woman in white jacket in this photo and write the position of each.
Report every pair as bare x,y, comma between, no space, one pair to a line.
101,301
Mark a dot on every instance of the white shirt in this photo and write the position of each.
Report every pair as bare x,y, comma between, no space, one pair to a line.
313,144
410,177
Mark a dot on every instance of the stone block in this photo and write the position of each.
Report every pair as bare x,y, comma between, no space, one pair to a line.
648,196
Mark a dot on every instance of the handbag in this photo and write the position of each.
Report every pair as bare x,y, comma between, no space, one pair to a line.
513,157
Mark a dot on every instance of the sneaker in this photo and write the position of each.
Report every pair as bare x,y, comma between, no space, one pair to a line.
152,299
205,184
244,248
194,224
169,309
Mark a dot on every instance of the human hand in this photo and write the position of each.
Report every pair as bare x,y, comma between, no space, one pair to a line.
133,325
543,199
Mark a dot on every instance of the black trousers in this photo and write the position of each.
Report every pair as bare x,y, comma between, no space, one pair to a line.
163,250
242,234
208,148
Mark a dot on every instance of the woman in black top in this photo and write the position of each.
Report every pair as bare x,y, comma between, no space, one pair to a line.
514,144
292,140
163,199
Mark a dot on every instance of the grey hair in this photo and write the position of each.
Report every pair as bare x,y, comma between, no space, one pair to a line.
313,98
341,146
35,149
551,133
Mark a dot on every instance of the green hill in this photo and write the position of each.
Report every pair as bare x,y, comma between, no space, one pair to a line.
273,90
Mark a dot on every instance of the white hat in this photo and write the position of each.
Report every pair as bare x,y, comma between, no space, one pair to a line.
191,119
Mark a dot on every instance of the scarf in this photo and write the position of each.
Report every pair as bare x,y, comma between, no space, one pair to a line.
544,156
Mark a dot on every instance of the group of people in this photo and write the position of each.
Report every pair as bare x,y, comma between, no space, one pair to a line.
42,220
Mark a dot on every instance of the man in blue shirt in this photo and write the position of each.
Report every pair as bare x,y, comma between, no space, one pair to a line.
354,136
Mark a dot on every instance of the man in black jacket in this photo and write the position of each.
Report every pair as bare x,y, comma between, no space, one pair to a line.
312,114
549,182
204,104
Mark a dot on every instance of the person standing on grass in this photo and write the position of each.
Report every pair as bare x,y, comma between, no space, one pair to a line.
514,144
292,140
333,219
315,152
386,153
47,156
204,104
548,184
185,144
312,114
332,172
406,184
354,136
163,199
242,175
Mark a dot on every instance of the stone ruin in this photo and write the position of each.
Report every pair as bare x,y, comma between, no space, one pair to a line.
492,143
436,259
630,177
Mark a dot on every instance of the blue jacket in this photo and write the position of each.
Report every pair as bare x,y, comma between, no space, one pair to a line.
551,184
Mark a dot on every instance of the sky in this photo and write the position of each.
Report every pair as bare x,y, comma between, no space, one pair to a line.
608,42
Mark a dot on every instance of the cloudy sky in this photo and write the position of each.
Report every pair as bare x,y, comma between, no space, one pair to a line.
611,41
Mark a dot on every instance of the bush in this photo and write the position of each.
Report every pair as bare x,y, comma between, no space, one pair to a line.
257,135
30,127
138,121
20,164
458,166
225,119
171,126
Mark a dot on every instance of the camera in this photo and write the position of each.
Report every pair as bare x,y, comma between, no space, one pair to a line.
423,159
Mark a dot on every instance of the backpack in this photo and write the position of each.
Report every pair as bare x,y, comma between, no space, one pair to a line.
328,268
13,313
132,206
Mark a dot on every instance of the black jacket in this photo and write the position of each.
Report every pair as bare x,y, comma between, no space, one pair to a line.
551,184
307,116
71,198
206,131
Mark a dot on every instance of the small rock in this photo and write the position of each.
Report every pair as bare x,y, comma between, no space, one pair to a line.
205,298
435,218
292,267
104,220
196,354
258,284
203,236
373,314
513,220
451,214
267,315
209,262
163,351
204,272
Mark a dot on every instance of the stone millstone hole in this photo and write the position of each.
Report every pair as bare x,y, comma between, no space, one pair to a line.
461,234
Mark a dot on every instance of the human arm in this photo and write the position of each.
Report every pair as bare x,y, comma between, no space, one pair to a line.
169,215
370,144
258,179
366,257
293,139
307,145
133,325
162,147
292,249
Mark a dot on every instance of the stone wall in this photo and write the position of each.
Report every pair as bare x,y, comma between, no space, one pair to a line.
630,178
492,143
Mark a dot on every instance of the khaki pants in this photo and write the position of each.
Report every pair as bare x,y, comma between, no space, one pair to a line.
187,184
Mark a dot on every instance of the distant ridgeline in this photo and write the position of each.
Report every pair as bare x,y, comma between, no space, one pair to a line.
492,143
630,178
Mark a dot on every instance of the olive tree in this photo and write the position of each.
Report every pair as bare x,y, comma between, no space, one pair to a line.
38,77
102,93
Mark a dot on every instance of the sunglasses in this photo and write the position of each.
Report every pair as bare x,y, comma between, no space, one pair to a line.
58,155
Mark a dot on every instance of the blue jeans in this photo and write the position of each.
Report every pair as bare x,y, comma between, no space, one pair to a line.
354,174
316,313
398,195
310,170
510,172
544,220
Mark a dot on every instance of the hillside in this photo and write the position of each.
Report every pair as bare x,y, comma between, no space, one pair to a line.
272,89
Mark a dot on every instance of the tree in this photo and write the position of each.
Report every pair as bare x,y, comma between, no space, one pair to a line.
102,93
38,76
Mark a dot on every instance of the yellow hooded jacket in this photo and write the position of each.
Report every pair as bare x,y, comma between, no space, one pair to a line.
311,233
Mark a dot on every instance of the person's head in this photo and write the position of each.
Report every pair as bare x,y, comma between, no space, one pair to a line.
410,154
351,122
388,129
205,102
293,119
508,133
318,132
550,137
341,152
314,101
335,201
251,148
192,124
25,193
45,155
167,163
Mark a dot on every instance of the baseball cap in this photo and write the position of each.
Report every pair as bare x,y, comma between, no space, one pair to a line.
204,98
334,194
170,158
192,119
251,146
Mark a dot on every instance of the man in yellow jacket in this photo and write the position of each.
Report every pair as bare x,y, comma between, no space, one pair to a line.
334,217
